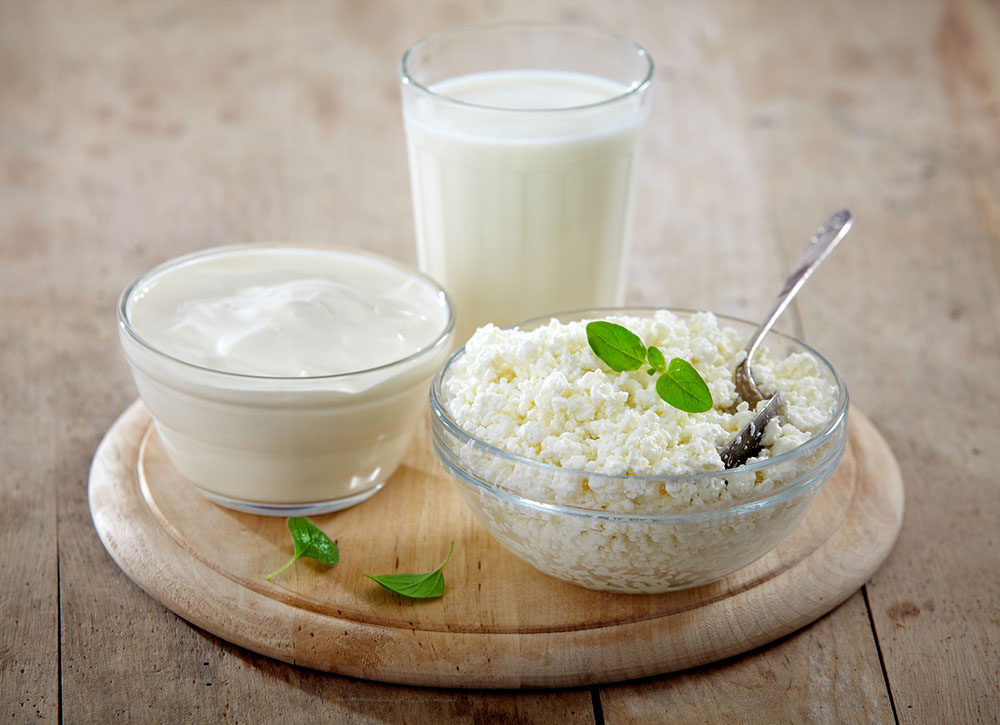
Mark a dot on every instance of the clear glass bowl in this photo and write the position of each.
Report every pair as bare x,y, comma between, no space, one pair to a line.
283,446
641,552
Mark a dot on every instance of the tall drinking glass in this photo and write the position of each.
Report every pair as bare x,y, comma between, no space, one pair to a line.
523,142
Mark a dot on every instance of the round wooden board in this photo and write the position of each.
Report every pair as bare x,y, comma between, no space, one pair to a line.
501,623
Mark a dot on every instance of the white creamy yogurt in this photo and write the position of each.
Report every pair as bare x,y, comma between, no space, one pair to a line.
284,380
522,190
287,312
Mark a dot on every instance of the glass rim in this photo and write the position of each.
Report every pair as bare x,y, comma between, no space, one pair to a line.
636,89
838,418
125,324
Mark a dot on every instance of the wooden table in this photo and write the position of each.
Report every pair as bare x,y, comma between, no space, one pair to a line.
133,132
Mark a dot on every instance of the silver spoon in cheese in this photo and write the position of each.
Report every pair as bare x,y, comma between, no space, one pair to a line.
746,443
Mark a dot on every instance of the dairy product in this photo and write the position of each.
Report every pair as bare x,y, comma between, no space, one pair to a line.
522,190
631,493
543,394
284,379
286,312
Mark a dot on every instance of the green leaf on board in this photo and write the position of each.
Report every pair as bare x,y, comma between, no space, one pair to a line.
416,586
309,542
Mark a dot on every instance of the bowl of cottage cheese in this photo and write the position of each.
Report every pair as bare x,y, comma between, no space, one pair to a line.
588,475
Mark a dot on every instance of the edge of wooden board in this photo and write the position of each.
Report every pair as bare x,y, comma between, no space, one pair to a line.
749,618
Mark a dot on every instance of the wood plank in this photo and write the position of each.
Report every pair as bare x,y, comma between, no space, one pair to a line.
822,674
911,304
703,227
29,647
29,665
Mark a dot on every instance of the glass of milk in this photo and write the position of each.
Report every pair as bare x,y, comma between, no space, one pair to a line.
523,142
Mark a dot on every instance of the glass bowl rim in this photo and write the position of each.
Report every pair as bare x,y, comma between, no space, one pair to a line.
838,420
817,475
634,90
125,324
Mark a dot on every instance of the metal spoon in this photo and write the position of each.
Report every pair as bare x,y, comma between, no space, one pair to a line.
747,441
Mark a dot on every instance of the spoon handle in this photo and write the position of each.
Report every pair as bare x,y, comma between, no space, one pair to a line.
819,247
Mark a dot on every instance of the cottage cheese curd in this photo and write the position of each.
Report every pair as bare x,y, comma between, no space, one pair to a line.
544,395
589,476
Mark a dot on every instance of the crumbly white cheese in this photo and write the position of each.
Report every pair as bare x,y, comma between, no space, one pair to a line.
544,395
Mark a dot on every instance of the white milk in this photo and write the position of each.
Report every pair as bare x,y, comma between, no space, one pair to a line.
284,380
522,191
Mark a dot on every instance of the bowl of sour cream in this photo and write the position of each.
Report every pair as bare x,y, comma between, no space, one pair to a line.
285,380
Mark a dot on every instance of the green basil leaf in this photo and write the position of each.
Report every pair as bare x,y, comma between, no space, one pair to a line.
682,387
309,542
618,347
656,359
416,586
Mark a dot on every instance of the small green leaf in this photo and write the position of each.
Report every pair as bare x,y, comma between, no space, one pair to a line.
680,385
416,586
684,388
656,359
309,542
620,348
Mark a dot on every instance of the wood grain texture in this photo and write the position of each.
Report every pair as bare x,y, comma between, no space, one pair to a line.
208,564
891,146
134,132
29,410
29,601
827,672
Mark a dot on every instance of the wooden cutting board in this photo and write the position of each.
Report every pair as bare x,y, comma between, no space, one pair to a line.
501,623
